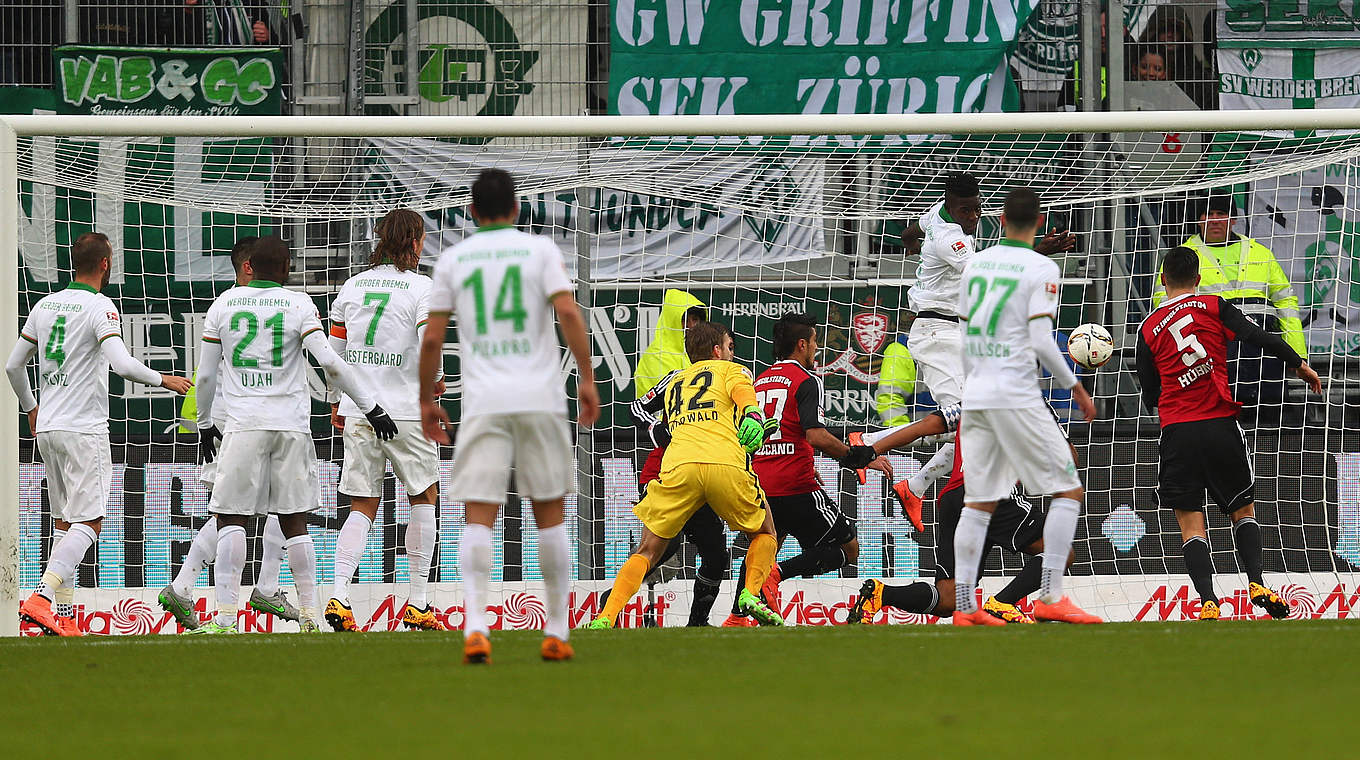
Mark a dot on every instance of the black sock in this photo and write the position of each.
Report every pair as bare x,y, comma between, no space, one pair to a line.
1201,567
918,597
1247,537
1024,583
705,594
814,561
741,584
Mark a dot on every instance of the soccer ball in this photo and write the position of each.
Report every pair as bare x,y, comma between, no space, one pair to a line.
1090,346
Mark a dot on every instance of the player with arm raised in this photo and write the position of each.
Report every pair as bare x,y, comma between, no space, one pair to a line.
790,394
1009,299
266,596
1182,367
267,460
944,238
505,285
77,335
715,424
377,321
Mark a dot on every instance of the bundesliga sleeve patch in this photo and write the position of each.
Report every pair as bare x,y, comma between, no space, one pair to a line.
111,315
1051,288
959,246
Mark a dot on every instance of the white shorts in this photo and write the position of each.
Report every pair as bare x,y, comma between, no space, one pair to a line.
1000,446
79,473
538,445
414,458
936,345
265,472
207,474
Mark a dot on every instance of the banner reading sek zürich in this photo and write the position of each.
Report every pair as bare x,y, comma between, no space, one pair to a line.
834,56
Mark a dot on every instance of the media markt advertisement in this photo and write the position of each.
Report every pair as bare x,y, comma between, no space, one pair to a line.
477,57
169,82
838,56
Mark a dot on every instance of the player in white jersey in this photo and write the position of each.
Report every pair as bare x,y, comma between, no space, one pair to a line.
944,238
267,460
376,324
77,335
1009,296
177,598
504,285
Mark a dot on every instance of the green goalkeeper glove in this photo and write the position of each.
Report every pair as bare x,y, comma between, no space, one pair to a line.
754,429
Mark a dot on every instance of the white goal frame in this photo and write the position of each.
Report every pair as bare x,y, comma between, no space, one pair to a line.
16,126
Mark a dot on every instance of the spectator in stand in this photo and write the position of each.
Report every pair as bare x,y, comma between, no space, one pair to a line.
215,22
1170,28
1148,64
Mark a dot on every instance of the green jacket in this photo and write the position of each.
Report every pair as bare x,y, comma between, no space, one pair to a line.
896,386
666,352
1246,273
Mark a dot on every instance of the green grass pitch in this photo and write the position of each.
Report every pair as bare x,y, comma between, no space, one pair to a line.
1230,689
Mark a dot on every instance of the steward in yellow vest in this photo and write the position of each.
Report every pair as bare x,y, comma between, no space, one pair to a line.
896,385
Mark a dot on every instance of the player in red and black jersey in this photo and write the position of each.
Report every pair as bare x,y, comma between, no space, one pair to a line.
1182,366
1017,526
791,393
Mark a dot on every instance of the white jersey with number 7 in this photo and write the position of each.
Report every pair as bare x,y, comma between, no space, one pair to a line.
1002,289
498,282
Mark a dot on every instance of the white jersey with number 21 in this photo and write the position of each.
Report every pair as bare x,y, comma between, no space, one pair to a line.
498,282
1002,289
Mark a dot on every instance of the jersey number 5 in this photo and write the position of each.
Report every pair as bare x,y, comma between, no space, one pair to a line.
1192,349
773,402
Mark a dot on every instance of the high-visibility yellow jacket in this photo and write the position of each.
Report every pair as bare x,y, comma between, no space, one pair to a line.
896,385
1246,273
666,352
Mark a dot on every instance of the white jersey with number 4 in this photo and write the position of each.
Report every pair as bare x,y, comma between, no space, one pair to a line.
260,327
73,375
1002,289
378,314
498,282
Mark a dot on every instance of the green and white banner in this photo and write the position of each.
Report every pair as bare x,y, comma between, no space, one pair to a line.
1286,23
166,82
806,57
1293,78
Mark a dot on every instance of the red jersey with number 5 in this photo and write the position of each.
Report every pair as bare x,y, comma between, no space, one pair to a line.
791,394
1186,341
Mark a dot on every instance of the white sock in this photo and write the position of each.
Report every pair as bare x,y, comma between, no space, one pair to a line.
231,560
420,537
63,597
202,552
474,561
349,547
302,561
939,465
872,438
271,557
66,556
969,538
554,559
1059,528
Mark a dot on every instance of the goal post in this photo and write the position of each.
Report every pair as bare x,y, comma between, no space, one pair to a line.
754,216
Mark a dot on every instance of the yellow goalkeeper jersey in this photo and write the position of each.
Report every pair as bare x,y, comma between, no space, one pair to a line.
704,404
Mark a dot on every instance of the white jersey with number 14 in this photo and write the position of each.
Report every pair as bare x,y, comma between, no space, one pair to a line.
498,282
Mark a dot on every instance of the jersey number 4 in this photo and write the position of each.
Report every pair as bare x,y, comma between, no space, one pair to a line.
699,384
55,350
247,321
1192,349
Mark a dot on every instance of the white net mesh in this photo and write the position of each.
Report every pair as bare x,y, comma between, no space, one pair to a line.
752,227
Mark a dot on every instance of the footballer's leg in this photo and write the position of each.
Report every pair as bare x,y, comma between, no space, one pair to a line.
1247,540
230,562
266,596
1199,564
547,473
421,535
630,576
178,597
554,559
474,561
705,531
361,479
301,552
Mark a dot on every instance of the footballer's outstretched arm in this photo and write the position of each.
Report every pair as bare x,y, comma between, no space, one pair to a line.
578,342
1246,330
16,369
127,366
1050,356
209,359
337,371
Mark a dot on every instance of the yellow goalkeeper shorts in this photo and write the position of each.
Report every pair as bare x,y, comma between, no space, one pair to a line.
733,492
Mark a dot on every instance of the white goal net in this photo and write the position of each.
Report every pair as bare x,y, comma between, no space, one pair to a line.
750,217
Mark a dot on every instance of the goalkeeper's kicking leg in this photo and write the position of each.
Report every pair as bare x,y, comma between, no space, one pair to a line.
705,531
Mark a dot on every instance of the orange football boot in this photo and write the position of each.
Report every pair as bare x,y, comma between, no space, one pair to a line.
476,649
739,621
976,617
1063,611
556,650
69,626
857,439
770,589
911,505
37,609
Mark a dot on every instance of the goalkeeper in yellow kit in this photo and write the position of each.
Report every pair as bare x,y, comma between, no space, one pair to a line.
715,424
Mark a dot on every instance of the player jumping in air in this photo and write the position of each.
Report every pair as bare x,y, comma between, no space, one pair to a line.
78,337
791,394
377,322
267,458
266,596
1008,296
1182,367
505,285
715,424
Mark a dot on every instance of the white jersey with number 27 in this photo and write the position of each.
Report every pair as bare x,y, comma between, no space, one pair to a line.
1002,289
498,282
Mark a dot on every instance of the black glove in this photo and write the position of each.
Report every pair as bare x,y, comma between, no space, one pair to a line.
208,438
382,424
858,457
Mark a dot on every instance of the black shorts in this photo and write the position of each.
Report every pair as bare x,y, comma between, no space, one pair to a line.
1205,455
1015,525
812,518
